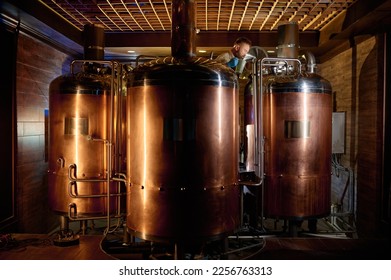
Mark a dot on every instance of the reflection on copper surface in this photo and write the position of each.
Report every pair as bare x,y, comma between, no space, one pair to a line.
79,131
298,162
182,182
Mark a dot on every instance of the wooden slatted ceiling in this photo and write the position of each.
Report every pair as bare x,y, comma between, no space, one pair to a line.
211,15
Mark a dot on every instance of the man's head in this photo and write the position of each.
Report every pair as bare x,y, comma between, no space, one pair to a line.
241,47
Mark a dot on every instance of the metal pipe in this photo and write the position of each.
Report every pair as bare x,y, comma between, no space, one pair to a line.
144,56
309,60
74,195
257,119
183,29
73,178
73,215
288,40
93,41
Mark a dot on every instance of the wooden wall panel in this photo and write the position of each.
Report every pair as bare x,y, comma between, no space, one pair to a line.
356,81
37,65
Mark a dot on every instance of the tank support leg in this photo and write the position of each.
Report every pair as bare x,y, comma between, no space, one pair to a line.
83,226
178,251
64,223
312,225
293,227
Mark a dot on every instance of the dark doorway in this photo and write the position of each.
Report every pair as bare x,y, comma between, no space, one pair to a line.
7,127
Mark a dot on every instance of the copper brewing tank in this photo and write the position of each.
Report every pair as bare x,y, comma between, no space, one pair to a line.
80,132
183,144
297,130
297,111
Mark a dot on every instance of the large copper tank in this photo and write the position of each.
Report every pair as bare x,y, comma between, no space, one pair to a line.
183,146
183,143
297,110
82,139
297,130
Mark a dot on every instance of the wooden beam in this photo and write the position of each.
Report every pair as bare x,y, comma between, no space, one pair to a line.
204,39
363,17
